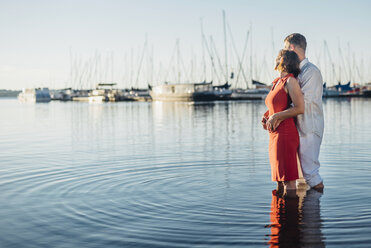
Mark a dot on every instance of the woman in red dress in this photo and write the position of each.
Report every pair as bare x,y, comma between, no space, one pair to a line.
284,102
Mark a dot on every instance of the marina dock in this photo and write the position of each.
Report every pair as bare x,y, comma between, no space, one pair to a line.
173,92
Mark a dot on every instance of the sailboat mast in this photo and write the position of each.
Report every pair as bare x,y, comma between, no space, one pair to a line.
140,63
178,59
273,47
203,49
225,47
251,53
112,67
349,65
193,57
71,69
341,56
131,68
152,64
211,60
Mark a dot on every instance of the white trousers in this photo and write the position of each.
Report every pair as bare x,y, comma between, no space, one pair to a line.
308,155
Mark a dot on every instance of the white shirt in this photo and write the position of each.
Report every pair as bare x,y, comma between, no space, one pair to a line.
311,83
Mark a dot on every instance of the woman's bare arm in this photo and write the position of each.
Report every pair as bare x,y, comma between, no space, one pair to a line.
293,89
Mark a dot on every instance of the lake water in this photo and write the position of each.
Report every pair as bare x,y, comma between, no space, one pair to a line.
139,174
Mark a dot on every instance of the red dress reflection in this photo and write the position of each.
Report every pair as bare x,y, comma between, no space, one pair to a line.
285,218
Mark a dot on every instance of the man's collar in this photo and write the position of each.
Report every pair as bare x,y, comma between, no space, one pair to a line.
303,62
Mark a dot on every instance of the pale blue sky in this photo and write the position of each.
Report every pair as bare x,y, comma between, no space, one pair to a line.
37,37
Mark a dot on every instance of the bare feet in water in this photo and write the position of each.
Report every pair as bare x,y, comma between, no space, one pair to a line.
286,189
290,188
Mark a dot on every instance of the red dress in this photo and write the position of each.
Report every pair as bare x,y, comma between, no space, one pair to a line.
284,141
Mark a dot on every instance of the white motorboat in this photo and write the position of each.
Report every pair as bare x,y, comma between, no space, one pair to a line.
35,95
204,91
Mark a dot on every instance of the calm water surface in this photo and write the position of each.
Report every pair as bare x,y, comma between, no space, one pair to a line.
134,174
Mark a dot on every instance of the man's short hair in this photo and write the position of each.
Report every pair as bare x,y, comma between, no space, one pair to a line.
297,40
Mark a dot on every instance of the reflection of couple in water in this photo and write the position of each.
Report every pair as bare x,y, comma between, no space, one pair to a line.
296,221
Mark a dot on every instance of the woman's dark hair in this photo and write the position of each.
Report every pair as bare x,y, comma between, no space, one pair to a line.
288,61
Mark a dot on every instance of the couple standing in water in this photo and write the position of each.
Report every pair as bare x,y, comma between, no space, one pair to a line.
294,118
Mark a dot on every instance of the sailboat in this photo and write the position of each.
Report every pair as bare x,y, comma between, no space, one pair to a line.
198,91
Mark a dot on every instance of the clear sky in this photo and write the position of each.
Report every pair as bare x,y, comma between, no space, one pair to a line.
73,42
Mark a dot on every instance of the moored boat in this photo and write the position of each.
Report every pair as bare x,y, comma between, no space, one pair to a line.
366,90
34,95
250,94
204,91
63,94
258,92
366,93
329,91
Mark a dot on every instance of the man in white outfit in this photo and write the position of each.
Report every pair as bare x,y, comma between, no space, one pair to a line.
310,124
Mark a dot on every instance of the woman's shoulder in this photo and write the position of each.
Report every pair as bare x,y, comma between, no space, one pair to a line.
288,78
291,80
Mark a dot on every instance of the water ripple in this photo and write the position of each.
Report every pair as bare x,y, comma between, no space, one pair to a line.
171,175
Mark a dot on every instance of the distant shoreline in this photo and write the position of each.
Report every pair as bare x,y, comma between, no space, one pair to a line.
9,93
